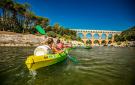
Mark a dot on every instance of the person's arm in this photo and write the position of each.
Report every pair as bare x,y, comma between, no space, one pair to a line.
56,51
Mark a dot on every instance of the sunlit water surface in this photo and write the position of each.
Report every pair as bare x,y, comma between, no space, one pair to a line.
97,66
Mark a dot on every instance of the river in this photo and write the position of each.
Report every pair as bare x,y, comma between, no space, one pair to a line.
97,66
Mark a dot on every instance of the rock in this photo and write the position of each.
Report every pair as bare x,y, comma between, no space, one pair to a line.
20,40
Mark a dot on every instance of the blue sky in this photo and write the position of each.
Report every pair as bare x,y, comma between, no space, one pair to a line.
86,14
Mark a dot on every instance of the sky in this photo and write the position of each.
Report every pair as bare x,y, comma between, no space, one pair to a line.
86,14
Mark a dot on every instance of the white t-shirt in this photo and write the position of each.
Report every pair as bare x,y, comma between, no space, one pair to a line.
42,50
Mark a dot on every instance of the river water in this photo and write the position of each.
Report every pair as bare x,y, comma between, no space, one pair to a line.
97,66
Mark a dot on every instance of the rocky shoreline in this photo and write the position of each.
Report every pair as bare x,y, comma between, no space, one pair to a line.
21,40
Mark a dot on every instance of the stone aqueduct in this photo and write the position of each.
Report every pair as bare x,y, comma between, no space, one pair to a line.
100,33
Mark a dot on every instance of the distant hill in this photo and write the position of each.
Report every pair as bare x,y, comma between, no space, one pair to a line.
129,34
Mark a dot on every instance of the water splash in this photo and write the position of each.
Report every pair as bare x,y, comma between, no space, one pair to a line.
33,73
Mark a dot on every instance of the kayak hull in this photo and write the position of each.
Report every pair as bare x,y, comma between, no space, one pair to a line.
36,62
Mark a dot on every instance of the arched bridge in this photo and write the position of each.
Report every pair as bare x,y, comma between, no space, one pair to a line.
99,36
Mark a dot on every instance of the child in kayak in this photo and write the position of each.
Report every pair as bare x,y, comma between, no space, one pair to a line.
59,45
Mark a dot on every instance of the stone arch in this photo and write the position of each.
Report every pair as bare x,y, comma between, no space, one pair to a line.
110,36
103,36
96,36
89,36
80,35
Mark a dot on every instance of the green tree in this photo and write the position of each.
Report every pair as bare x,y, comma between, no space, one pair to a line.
96,42
6,6
88,42
129,34
116,37
17,17
48,28
103,42
56,28
78,38
61,32
73,37
51,34
67,37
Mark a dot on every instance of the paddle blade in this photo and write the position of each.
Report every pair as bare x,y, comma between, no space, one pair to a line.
73,59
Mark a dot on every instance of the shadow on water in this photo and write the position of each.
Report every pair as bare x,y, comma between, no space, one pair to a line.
97,66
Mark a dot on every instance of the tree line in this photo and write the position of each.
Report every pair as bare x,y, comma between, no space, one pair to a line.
16,17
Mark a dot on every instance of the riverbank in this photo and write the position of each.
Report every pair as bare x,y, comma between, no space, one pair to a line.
17,39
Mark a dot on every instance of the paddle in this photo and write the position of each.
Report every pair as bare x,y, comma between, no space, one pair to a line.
73,59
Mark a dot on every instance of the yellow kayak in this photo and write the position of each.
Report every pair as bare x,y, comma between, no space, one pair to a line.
36,62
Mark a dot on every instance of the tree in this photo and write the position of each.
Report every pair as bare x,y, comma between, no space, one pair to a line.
78,38
96,42
103,42
88,42
48,28
17,17
116,37
129,34
6,6
45,22
51,34
67,37
56,28
61,32
73,37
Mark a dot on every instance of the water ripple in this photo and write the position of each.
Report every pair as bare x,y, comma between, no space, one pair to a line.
97,66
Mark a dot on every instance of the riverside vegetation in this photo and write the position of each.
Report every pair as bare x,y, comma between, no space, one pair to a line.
16,17
19,18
